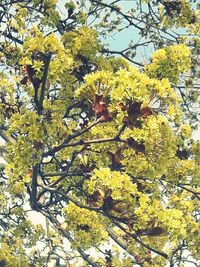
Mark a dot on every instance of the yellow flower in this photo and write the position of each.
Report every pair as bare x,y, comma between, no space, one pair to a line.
186,130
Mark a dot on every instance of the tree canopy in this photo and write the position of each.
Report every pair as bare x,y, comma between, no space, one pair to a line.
100,141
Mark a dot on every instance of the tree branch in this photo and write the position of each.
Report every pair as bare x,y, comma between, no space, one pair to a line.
33,198
56,224
44,81
134,236
121,53
122,245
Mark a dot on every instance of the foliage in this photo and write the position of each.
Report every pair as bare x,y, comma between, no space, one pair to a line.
99,141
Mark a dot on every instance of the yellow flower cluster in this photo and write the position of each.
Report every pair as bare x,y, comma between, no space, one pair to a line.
129,84
18,20
170,219
194,28
26,152
117,183
7,88
169,62
82,43
95,83
160,146
186,130
176,13
36,47
86,226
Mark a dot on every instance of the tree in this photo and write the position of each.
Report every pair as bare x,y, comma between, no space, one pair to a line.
99,141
